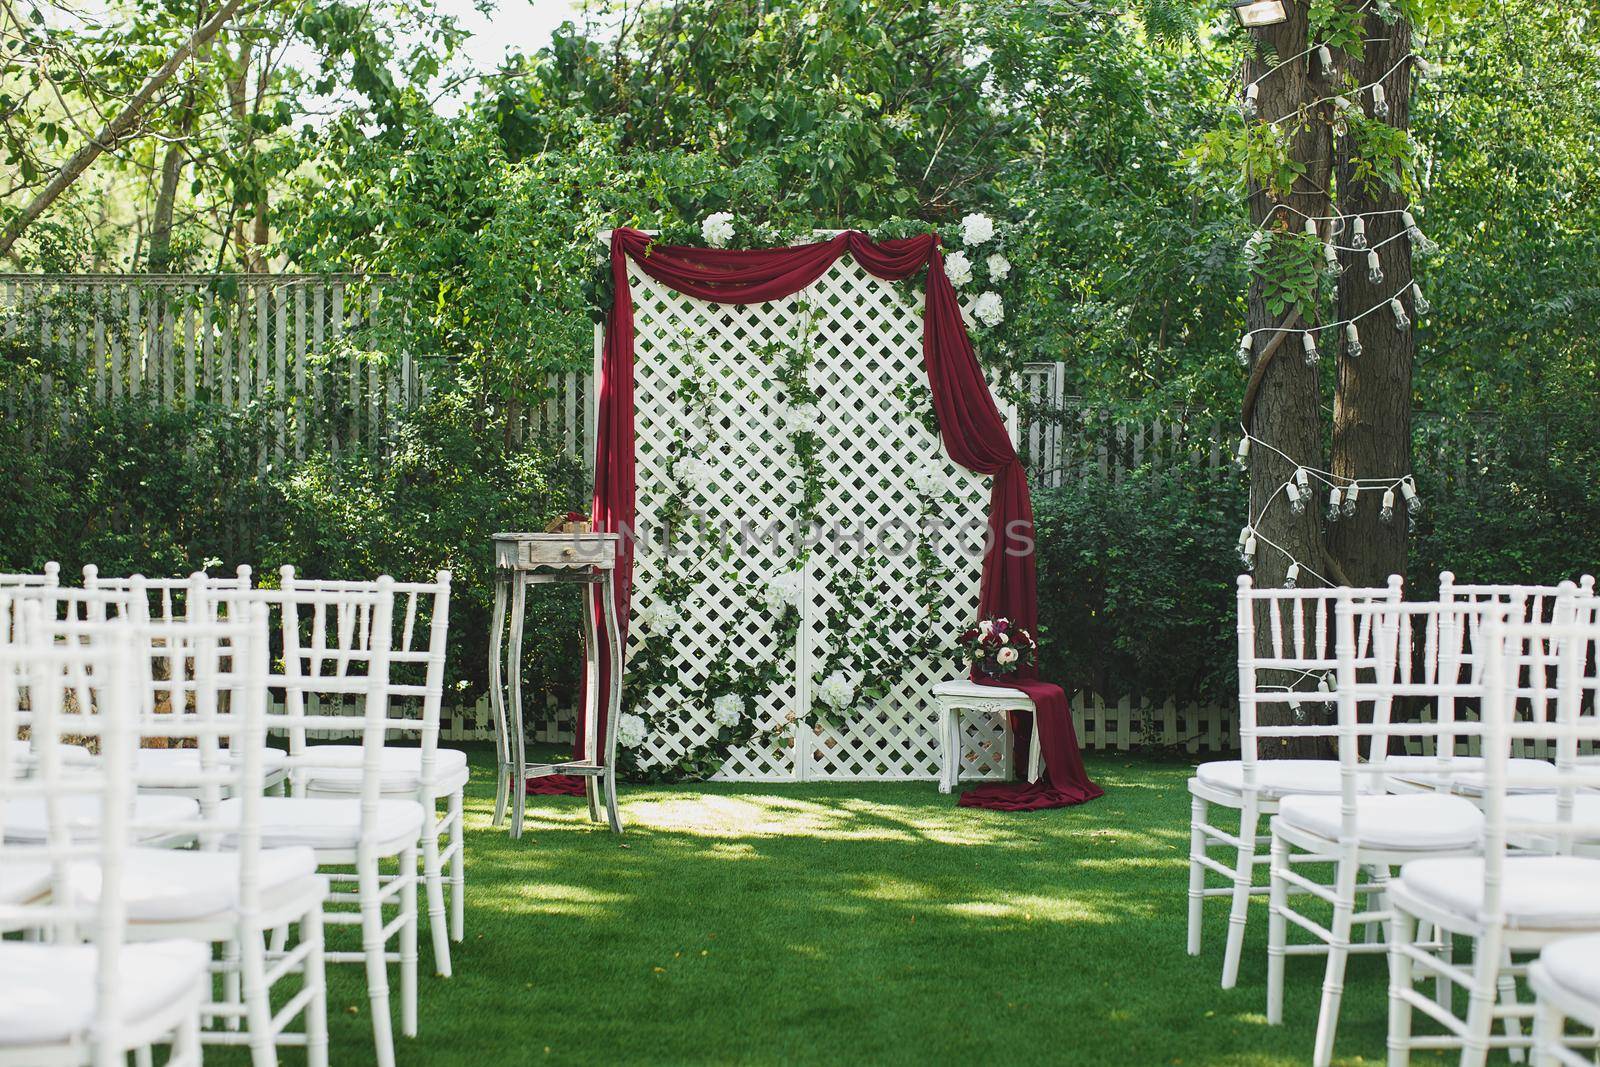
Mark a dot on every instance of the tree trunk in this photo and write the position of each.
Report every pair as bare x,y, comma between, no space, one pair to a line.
167,196
114,130
1286,415
1372,408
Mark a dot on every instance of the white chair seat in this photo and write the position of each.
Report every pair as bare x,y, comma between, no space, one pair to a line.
337,769
332,824
1465,772
1541,807
72,755
47,992
166,885
25,817
21,882
1420,821
1274,777
186,761
967,689
1574,964
1539,892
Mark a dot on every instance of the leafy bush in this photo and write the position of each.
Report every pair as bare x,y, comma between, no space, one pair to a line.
1136,583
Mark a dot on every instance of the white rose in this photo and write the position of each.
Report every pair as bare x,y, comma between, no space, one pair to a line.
1006,655
630,730
800,417
668,617
783,592
929,480
717,229
989,309
692,471
727,709
999,267
836,691
647,616
976,229
958,268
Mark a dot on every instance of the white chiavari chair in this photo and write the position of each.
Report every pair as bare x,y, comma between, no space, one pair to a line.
335,650
1362,828
1298,636
1566,980
78,993
205,682
1508,902
1447,769
426,772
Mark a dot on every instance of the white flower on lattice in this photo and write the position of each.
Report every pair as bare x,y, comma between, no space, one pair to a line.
929,480
801,417
999,267
717,229
783,592
668,617
958,268
1006,656
692,471
647,616
836,691
989,309
727,709
976,229
631,730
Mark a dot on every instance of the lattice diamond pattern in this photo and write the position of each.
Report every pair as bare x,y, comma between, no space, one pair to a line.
867,340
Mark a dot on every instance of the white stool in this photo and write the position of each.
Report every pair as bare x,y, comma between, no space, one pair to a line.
960,694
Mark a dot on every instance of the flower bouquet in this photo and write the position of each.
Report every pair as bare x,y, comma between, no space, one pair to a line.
998,647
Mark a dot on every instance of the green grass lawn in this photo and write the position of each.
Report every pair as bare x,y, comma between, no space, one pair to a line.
848,923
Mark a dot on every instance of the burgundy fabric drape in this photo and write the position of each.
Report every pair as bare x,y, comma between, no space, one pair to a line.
973,431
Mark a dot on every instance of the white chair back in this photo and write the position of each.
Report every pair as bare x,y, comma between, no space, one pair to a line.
1571,686
82,688
416,664
166,598
1299,628
50,576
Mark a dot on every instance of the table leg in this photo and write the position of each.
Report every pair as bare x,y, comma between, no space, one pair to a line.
497,701
947,756
591,698
1035,753
519,780
614,698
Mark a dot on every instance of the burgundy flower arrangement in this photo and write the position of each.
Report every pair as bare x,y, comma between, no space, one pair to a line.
998,647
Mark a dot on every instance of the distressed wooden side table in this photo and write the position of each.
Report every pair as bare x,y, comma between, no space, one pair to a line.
586,560
962,694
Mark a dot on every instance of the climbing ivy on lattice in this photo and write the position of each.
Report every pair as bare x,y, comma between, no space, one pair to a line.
863,339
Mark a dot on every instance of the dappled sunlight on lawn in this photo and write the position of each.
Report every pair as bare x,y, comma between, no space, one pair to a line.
1032,908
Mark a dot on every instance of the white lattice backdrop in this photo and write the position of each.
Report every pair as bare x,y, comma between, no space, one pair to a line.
866,340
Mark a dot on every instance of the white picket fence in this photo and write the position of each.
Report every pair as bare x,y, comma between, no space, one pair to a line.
308,346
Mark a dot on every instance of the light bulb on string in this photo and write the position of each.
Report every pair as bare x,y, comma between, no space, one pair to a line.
1246,348
1399,309
1424,68
1358,233
1420,301
1308,342
1334,497
1291,576
1297,503
1386,513
1250,106
1242,456
1311,230
1380,103
1325,57
1408,489
1374,268
1352,340
1350,499
1330,260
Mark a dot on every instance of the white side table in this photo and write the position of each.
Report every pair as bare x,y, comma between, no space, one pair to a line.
961,694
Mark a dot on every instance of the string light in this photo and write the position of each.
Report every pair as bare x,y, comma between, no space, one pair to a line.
1399,309
1291,576
1350,500
1330,258
1374,268
1380,103
1420,301
1352,340
1308,342
1358,233
1325,57
1251,105
1386,513
1246,349
1334,496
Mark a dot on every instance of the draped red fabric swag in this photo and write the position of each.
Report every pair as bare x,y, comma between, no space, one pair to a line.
970,424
